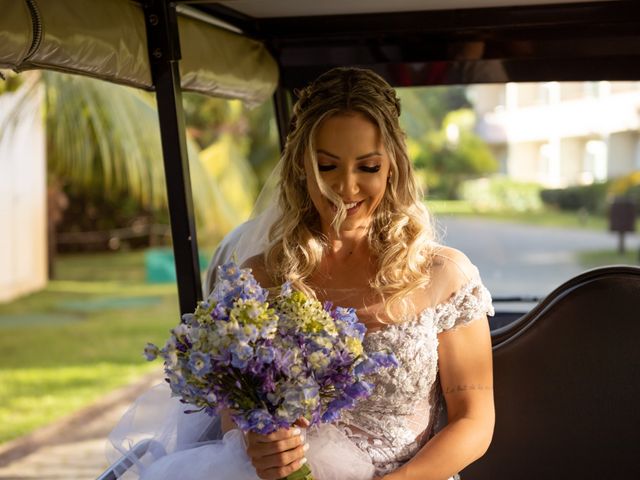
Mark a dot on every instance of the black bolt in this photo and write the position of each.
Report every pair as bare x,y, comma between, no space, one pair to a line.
157,53
153,19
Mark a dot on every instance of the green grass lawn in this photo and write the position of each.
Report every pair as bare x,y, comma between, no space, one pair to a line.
82,336
544,218
592,259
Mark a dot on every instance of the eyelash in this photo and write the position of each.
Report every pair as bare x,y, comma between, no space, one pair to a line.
327,168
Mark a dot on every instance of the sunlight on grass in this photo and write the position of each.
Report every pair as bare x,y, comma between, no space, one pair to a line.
449,207
41,395
543,218
79,338
600,258
102,288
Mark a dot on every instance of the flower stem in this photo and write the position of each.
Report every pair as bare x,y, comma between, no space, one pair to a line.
303,473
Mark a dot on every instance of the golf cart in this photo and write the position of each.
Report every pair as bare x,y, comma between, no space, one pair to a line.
566,377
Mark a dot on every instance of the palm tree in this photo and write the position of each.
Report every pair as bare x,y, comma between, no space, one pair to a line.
105,137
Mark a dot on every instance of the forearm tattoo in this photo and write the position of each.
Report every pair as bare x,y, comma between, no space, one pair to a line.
465,388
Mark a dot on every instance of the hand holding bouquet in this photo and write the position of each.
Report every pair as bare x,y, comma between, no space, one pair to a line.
269,363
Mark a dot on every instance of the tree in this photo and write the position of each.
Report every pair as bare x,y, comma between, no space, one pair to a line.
452,154
103,137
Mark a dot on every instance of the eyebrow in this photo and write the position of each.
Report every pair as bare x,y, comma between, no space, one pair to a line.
361,157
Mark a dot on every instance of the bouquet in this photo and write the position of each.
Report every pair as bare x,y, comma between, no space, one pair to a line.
269,363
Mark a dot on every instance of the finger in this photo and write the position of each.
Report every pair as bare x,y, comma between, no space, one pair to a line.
281,459
302,422
281,472
281,434
263,449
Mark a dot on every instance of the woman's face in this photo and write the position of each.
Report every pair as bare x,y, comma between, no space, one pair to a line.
354,164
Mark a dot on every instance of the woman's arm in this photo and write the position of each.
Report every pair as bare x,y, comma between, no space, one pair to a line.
466,376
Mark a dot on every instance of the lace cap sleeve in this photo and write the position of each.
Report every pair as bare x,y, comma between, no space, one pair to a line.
472,301
470,298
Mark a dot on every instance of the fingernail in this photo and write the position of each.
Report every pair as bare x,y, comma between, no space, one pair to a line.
306,447
303,461
297,431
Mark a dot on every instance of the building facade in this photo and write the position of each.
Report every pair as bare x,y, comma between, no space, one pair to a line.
23,196
561,133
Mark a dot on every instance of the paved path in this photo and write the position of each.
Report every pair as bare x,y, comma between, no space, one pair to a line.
523,259
73,448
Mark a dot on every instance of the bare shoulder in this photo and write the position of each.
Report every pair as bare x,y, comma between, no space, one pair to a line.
259,270
451,269
454,262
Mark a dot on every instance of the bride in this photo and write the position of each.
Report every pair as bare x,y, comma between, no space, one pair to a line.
350,227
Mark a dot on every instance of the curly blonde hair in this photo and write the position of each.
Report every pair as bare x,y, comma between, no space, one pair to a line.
401,236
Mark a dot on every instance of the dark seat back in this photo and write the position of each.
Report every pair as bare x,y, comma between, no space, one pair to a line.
567,385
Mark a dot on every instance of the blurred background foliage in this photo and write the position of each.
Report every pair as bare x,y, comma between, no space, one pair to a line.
105,170
445,150
105,162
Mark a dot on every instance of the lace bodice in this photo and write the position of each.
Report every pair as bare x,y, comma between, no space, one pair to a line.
399,417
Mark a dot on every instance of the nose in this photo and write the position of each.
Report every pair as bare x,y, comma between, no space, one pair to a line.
346,184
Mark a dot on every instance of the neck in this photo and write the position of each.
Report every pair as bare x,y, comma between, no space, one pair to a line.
347,243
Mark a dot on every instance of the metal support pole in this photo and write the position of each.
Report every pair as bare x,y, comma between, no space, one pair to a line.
282,107
164,54
621,249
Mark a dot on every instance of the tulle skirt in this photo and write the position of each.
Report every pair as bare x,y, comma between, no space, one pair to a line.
191,447
331,456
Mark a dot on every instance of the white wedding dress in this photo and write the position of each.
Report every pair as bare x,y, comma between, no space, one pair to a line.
376,437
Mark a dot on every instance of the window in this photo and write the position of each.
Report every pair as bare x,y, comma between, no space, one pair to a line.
525,191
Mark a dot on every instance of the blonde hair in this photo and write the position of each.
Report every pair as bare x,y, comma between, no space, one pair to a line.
400,236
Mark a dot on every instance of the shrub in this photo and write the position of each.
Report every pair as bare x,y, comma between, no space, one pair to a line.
591,198
501,194
627,186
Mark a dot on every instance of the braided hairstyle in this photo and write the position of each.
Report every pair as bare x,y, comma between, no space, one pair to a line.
401,236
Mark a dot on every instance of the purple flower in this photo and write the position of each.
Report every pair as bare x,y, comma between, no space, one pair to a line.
384,359
310,389
347,315
229,271
199,363
284,359
176,382
151,351
241,353
366,367
260,421
223,359
188,319
285,290
331,415
219,312
266,354
358,390
335,407
268,383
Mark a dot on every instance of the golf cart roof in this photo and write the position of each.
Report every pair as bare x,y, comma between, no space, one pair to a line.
413,42
244,48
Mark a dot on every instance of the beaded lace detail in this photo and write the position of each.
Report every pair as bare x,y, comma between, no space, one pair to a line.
398,418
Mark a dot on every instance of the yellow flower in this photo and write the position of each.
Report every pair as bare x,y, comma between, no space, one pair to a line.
354,346
318,361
